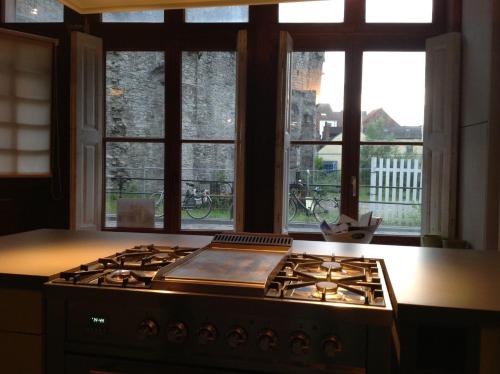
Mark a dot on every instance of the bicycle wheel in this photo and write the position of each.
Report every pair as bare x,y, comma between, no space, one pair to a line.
292,210
198,207
326,209
158,199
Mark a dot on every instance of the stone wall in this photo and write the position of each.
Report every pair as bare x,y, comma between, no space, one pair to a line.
135,106
38,11
307,69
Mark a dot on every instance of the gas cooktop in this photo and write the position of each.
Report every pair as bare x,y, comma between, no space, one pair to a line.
244,303
239,265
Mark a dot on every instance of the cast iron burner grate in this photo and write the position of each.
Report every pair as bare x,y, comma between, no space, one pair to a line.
329,279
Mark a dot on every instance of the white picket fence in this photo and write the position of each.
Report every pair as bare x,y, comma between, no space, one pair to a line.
395,191
396,180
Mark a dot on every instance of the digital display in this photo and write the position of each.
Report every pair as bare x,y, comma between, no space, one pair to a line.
98,324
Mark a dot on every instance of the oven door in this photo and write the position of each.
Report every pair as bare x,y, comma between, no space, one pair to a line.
97,365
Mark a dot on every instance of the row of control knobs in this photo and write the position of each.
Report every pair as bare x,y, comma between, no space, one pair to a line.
267,339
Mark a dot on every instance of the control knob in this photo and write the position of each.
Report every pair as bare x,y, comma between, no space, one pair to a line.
331,346
299,343
207,334
147,329
267,340
177,332
236,337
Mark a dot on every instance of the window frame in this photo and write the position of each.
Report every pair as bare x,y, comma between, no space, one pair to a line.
355,36
195,37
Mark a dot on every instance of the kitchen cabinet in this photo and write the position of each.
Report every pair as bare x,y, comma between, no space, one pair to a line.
21,330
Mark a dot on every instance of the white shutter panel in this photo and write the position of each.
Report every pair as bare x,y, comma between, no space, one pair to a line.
442,84
282,158
86,131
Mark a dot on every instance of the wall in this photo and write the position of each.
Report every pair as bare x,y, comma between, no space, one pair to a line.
478,197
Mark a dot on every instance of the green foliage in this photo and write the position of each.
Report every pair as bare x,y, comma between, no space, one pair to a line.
318,163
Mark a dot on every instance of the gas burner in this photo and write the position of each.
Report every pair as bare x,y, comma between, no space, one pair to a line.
331,266
121,277
134,267
328,287
329,279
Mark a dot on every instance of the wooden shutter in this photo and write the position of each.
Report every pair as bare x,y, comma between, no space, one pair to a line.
241,88
442,84
86,131
282,158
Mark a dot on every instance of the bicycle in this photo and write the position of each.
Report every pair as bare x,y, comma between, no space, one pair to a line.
196,204
321,209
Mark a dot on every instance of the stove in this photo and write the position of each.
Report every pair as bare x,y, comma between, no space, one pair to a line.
243,303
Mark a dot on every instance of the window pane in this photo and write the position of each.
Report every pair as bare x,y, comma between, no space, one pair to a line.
135,94
390,185
208,95
317,96
34,11
145,16
404,11
218,14
393,95
207,186
314,191
134,171
312,11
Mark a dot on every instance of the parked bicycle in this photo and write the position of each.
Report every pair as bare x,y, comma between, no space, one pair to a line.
316,206
196,203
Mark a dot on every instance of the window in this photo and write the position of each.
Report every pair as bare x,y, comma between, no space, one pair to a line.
312,12
141,148
364,150
390,174
217,14
208,138
33,11
152,16
25,105
399,11
316,146
135,128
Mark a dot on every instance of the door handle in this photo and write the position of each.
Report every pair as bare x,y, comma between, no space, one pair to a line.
354,185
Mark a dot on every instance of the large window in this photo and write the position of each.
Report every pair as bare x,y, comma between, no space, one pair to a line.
135,129
28,11
137,137
316,115
323,11
356,114
362,152
392,118
208,135
148,16
224,14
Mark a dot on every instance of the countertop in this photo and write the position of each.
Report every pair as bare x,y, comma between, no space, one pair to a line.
442,279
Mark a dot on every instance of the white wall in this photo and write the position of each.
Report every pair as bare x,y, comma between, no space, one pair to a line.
479,163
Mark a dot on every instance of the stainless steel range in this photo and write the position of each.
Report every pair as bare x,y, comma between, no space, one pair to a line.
244,303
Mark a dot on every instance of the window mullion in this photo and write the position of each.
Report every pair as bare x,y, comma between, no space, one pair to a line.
172,137
351,132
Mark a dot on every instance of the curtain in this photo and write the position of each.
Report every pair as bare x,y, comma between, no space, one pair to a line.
25,104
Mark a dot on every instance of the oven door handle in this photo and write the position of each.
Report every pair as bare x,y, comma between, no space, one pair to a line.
92,371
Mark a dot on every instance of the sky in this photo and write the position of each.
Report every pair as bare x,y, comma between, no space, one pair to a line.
394,81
